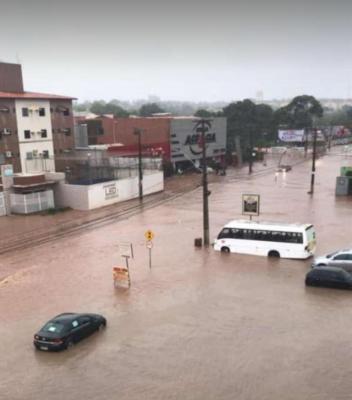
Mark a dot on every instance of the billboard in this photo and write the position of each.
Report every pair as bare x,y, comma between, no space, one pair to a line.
291,135
250,204
186,142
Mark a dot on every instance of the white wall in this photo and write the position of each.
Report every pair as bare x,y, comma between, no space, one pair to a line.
82,197
74,196
34,123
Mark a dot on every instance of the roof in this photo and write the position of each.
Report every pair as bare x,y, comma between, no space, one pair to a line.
266,225
33,95
34,185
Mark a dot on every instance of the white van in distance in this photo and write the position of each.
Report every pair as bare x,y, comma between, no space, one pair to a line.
271,239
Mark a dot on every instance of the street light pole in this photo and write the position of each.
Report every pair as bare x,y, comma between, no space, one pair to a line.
113,130
202,126
89,169
138,132
312,179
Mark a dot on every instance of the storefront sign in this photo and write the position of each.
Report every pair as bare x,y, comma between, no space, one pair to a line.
121,276
7,175
186,143
111,191
291,135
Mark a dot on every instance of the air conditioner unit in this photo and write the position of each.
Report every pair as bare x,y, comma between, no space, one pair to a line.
6,131
8,154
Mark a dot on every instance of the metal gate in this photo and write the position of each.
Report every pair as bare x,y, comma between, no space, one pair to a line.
2,204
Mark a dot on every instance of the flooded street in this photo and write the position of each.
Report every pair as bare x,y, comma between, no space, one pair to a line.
200,324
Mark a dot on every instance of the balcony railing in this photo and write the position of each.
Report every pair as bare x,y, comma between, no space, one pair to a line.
39,164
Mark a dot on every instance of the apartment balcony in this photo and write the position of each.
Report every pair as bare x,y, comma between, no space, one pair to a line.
39,164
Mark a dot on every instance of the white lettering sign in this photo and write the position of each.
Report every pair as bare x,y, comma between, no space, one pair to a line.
111,191
291,135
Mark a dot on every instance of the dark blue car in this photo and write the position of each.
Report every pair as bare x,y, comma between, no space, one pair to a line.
332,277
66,329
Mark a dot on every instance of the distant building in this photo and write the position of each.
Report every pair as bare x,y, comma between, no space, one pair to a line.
174,138
34,127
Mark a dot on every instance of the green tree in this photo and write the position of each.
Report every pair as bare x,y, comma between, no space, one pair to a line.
253,123
147,110
101,107
203,113
98,107
299,113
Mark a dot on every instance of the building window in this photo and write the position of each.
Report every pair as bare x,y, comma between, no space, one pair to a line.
25,112
44,133
45,153
27,134
42,112
66,112
29,155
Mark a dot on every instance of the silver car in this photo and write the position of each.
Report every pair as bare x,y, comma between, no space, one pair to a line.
341,258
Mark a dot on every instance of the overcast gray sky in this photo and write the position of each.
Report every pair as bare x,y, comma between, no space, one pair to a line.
181,50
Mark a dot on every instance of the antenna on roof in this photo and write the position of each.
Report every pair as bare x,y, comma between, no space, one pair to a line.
18,58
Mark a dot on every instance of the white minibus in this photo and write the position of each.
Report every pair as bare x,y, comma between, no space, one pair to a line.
273,239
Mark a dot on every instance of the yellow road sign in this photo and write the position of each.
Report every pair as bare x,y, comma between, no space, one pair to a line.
149,235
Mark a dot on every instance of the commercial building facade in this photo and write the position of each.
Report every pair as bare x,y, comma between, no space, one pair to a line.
174,138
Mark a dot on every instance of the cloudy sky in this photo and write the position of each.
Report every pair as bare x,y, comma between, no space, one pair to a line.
181,50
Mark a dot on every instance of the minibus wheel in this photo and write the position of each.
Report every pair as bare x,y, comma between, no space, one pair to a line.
225,249
274,253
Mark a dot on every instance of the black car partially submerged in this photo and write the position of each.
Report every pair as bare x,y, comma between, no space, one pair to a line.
66,329
332,277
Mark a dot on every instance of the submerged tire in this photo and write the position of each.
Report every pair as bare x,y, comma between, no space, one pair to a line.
274,254
225,249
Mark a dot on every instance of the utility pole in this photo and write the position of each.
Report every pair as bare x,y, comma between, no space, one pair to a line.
89,168
312,180
250,163
138,132
202,126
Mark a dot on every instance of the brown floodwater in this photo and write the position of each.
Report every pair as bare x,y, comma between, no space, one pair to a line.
198,325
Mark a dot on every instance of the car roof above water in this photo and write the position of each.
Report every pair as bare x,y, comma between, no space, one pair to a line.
66,317
318,270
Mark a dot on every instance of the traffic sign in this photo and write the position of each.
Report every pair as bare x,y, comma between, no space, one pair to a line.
149,235
149,244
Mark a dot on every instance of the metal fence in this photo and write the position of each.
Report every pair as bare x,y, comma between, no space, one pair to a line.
32,202
94,167
40,164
